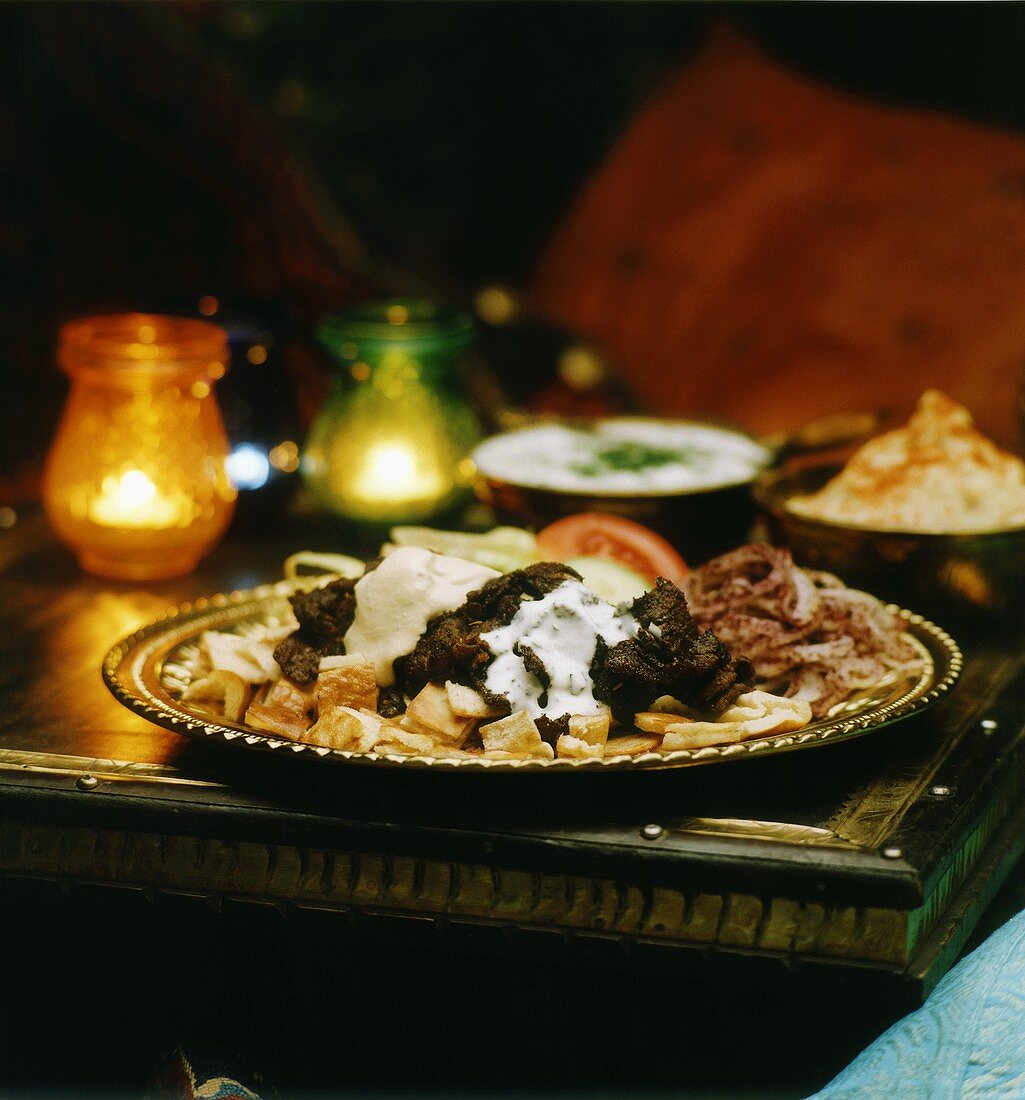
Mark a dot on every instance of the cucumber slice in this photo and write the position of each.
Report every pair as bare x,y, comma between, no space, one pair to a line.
610,579
501,548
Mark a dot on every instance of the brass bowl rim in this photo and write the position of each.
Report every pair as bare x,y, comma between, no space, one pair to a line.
768,492
618,498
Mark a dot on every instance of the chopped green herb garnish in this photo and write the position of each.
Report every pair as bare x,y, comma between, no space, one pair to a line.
639,456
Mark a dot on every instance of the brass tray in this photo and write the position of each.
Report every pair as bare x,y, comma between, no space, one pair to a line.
149,669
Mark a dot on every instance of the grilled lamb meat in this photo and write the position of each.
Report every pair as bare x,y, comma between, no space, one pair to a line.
324,615
663,651
451,647
669,657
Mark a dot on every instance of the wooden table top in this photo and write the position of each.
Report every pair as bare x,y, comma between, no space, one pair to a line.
817,827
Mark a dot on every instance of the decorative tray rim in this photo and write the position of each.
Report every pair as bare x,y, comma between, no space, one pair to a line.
132,669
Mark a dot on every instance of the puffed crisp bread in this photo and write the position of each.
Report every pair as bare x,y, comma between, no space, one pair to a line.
346,729
515,734
347,681
754,714
576,748
285,723
593,729
223,687
250,658
468,703
284,693
701,735
630,745
397,740
666,704
651,721
431,713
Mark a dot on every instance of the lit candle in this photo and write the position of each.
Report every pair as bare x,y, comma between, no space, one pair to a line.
393,472
135,480
132,500
389,443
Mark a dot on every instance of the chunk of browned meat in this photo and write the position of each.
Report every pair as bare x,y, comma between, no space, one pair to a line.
299,660
665,607
451,649
670,657
324,615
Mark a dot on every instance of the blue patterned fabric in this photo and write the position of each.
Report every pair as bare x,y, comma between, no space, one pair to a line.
966,1041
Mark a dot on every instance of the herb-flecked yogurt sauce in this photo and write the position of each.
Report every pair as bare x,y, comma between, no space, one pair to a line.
562,629
630,456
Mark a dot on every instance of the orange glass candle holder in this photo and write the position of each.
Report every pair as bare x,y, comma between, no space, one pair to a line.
135,481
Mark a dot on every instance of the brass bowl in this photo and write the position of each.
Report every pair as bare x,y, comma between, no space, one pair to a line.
963,575
700,523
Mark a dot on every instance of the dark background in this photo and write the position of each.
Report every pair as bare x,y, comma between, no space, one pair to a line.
298,154
451,137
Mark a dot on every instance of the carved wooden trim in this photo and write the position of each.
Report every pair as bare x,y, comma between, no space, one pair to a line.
452,890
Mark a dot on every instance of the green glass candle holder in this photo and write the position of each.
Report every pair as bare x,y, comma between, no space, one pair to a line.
390,443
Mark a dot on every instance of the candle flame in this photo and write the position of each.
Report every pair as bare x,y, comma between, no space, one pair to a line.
134,501
131,490
392,472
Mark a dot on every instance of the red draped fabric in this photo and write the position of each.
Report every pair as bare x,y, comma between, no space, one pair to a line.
761,247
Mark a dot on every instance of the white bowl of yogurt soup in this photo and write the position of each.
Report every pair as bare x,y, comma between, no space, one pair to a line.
690,480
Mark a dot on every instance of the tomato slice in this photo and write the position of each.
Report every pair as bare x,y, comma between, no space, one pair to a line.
600,535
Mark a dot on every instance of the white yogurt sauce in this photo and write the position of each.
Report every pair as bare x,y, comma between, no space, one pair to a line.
395,602
633,456
563,629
